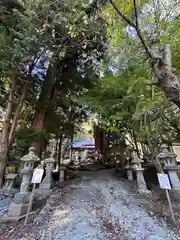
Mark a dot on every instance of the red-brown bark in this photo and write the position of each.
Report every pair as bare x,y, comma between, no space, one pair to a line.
5,131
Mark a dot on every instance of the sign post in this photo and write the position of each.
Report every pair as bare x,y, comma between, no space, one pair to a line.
37,178
165,184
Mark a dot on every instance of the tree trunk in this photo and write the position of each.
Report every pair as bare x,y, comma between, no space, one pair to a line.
37,126
41,106
5,132
20,103
71,141
17,113
122,149
155,160
135,143
167,77
60,148
56,146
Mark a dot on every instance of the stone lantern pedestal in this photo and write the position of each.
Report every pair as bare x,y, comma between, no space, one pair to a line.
19,204
47,182
129,171
141,184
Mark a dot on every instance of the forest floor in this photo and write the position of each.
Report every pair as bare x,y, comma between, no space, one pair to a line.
99,206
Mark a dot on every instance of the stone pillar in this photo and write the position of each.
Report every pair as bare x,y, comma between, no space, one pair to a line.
61,173
129,171
47,182
141,184
76,160
19,204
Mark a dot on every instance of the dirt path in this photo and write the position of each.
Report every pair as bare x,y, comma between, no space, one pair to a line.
97,208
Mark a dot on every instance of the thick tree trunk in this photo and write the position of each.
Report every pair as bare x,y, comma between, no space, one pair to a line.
37,126
41,106
167,77
5,132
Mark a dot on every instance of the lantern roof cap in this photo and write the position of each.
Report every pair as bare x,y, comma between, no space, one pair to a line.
50,159
165,153
137,160
31,156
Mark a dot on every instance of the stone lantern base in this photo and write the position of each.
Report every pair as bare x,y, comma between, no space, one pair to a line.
19,205
129,172
142,188
144,192
17,210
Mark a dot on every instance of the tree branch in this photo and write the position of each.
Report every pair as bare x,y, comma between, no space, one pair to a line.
136,15
167,55
126,19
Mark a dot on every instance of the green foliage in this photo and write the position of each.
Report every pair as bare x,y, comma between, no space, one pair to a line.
26,136
64,42
129,102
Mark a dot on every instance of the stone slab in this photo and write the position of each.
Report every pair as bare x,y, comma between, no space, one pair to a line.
10,192
14,218
16,210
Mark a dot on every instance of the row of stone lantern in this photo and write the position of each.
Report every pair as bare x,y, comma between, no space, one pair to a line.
166,158
19,204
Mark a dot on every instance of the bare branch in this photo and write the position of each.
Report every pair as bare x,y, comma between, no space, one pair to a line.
126,19
136,15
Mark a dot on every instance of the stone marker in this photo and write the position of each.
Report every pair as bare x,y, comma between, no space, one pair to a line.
47,182
20,201
137,167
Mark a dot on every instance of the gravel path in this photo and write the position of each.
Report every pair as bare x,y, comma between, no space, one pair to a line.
99,208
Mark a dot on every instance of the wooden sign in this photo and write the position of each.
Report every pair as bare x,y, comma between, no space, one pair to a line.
37,175
164,181
165,184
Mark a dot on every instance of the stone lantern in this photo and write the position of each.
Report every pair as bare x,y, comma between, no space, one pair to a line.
169,160
28,165
8,187
47,182
19,204
137,167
